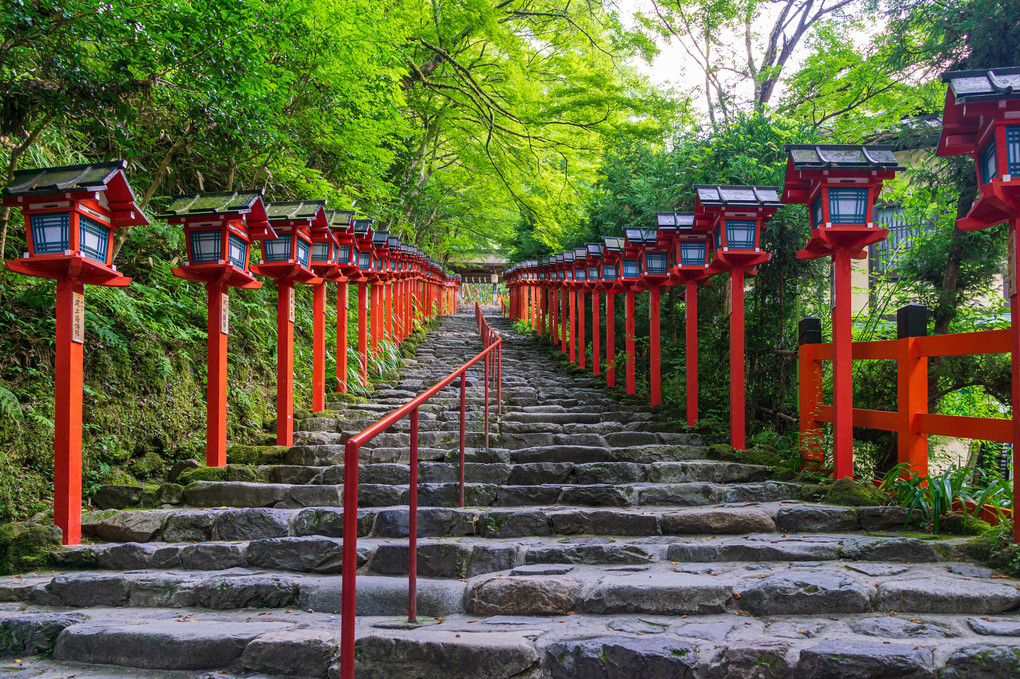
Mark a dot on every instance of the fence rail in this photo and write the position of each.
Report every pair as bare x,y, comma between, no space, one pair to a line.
492,357
911,420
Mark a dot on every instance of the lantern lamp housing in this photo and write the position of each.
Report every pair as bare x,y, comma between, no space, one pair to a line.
630,269
692,253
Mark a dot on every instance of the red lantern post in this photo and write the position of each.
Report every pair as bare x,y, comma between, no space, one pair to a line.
580,286
982,119
71,215
594,251
286,259
689,255
840,184
609,279
219,229
346,257
735,215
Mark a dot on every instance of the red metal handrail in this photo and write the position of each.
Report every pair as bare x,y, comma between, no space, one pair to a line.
493,344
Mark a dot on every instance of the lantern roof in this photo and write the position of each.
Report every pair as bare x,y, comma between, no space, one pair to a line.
245,204
675,221
105,178
842,156
613,243
394,243
975,100
212,204
568,255
580,253
986,84
66,179
310,211
738,196
594,249
639,236
339,219
362,226
380,238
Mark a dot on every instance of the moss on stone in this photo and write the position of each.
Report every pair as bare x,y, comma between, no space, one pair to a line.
850,493
118,477
995,547
958,524
148,466
232,472
301,414
722,451
814,492
27,546
256,455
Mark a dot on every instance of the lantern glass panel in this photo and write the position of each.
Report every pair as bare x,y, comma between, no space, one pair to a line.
365,261
816,212
987,161
740,234
569,275
579,275
278,249
1013,150
344,254
692,253
718,237
848,206
303,250
206,246
320,252
656,262
609,272
51,232
93,238
593,273
630,268
238,251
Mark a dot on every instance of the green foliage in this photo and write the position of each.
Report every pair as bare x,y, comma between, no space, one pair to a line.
938,495
996,548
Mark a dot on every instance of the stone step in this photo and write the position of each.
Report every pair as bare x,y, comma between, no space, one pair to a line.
182,524
284,495
461,646
470,556
534,473
680,589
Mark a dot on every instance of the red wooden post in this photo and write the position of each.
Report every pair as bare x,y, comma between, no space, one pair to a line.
285,362
691,313
655,389
543,295
564,319
911,400
363,331
572,335
1014,313
216,375
341,337
809,395
319,347
375,318
628,312
460,456
596,357
737,358
67,414
610,339
581,341
842,366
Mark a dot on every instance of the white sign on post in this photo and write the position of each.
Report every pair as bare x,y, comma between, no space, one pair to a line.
225,313
78,317
291,305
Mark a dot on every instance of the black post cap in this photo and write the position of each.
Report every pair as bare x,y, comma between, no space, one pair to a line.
912,321
809,331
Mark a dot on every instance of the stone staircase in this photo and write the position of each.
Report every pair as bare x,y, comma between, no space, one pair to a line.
597,542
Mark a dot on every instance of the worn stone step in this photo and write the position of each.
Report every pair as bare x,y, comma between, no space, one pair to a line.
664,588
182,524
505,646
